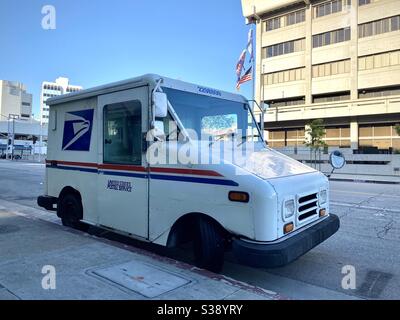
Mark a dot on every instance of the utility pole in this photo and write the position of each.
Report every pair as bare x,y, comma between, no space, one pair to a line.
40,142
11,134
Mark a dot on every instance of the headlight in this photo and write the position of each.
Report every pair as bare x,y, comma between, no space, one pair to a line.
288,209
323,194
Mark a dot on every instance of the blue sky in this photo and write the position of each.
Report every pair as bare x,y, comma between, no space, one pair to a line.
102,41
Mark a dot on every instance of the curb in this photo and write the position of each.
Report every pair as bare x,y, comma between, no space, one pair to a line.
364,181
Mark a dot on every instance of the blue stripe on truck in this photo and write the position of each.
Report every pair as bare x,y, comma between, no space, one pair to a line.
222,182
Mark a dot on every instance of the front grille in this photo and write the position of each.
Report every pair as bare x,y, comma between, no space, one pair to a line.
308,206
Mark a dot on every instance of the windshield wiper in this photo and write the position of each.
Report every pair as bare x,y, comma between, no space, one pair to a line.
221,136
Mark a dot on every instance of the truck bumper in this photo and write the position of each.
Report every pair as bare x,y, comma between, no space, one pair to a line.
47,202
281,253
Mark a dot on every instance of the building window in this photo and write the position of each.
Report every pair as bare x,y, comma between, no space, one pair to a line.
328,8
331,68
26,104
284,76
284,48
379,60
363,2
331,97
272,24
295,17
380,136
285,20
331,37
286,137
379,26
338,136
379,92
286,102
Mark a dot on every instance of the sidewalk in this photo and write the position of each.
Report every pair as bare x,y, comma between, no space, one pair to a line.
91,268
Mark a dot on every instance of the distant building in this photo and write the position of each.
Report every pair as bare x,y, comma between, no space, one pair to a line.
14,100
338,60
52,89
30,136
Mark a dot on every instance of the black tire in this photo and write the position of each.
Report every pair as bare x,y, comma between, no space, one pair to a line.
208,245
69,209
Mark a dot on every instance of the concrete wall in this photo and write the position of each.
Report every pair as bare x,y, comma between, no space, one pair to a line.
250,7
25,128
379,167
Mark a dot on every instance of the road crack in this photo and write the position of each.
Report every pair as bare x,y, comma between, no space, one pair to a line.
360,204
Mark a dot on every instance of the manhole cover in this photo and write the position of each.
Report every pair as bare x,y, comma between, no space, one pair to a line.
142,278
8,228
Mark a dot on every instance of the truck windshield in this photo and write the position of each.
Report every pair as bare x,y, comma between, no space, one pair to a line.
214,119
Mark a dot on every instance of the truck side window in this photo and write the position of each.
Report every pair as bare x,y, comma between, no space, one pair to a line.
123,133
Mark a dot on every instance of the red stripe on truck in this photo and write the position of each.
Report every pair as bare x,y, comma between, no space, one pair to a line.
137,168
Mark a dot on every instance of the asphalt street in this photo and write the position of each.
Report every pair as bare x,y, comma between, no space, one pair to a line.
368,240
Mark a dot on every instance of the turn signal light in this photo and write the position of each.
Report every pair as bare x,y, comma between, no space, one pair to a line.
238,196
322,212
288,227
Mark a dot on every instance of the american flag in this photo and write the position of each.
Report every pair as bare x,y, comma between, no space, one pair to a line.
240,64
246,77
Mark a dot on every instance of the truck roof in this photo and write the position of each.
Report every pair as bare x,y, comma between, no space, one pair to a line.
143,80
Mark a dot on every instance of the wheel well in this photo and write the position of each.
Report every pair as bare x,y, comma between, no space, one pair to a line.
182,230
69,190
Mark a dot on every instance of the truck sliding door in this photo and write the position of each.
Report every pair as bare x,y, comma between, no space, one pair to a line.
123,180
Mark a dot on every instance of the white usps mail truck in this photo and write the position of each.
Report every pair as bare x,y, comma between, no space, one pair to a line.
269,209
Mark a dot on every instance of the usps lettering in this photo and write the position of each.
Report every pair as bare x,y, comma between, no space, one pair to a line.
119,185
78,130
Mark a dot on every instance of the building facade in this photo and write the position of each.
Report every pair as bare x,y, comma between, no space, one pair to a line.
14,101
336,60
52,89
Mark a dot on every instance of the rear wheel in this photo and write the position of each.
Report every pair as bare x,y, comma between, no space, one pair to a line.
208,245
69,209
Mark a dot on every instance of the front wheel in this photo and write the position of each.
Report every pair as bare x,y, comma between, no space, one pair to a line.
70,210
208,245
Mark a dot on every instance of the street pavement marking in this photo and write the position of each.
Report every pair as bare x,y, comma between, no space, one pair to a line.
355,206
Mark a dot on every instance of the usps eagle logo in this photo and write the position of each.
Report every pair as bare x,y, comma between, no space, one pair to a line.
78,130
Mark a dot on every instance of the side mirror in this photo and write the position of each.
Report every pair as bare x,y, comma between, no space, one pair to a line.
160,104
337,160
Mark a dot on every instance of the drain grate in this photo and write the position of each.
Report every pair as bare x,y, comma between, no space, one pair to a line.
142,278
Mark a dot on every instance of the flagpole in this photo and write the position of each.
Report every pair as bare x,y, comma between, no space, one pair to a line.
254,68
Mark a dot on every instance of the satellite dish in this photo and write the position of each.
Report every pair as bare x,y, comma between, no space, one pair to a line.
337,159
